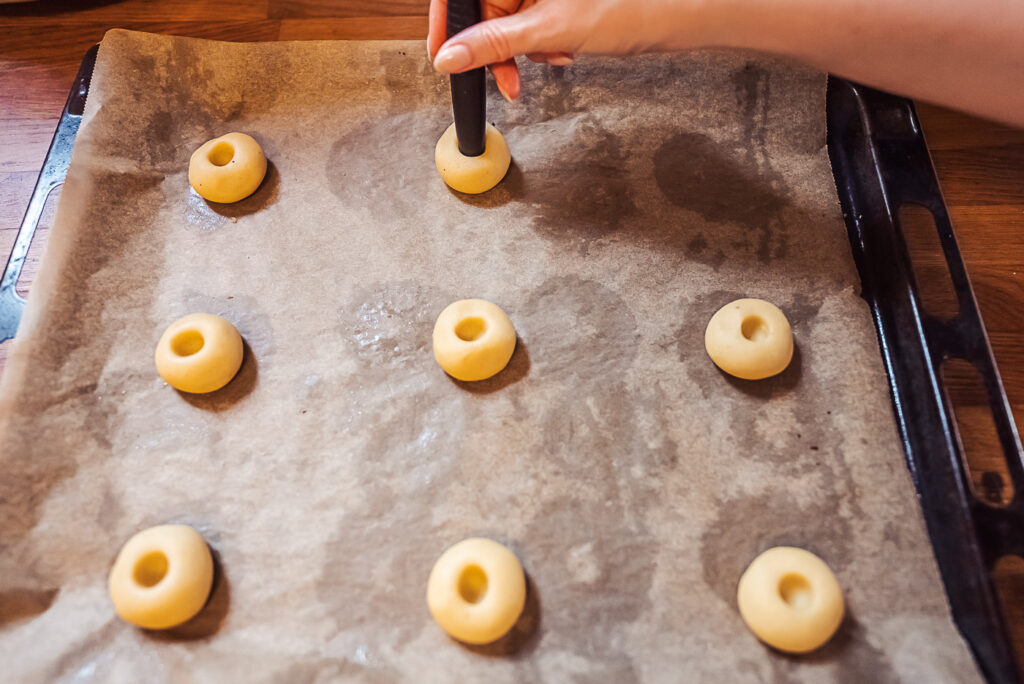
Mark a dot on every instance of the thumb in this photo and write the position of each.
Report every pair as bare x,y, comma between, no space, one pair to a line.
495,40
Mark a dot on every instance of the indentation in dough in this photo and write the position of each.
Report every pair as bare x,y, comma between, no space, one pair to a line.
144,590
746,525
460,596
472,584
472,175
180,366
749,339
790,598
150,569
754,328
473,339
221,154
228,168
796,590
187,342
470,329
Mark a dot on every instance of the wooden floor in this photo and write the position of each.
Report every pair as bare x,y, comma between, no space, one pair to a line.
980,165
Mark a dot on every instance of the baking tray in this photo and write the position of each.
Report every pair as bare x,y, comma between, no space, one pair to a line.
880,162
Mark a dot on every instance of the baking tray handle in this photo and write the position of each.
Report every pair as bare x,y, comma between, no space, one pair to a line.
881,163
54,170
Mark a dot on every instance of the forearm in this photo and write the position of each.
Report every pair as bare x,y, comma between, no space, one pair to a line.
967,54
964,55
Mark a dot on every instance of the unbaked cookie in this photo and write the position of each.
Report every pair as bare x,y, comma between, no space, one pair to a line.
473,339
228,168
162,577
477,590
199,353
790,599
750,339
472,175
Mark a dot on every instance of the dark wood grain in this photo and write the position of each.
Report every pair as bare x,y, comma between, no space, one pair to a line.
980,163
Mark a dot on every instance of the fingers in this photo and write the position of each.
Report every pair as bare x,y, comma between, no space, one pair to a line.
437,29
494,41
553,58
437,23
506,77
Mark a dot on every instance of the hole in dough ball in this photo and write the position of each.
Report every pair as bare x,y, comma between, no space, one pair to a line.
150,569
796,591
221,154
754,328
472,584
187,342
470,329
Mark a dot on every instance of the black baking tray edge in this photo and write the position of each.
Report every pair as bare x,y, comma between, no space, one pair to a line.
881,163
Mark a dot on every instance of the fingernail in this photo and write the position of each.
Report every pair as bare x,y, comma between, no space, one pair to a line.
502,91
561,60
429,56
452,59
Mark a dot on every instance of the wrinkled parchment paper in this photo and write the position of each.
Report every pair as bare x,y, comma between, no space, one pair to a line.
633,479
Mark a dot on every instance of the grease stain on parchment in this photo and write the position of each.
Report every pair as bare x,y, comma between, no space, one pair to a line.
696,173
744,527
608,594
191,116
585,344
852,656
20,603
731,182
401,68
356,158
583,193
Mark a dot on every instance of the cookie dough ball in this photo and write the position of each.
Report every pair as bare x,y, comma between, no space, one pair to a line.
228,168
476,590
473,339
749,338
162,577
199,353
472,175
790,599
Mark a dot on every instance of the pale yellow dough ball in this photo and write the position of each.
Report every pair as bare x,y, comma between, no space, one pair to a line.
473,339
228,168
750,339
162,577
472,175
199,353
477,590
790,599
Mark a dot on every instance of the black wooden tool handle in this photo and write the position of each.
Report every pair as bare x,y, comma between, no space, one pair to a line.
469,103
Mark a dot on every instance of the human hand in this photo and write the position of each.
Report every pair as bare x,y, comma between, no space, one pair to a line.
963,55
554,30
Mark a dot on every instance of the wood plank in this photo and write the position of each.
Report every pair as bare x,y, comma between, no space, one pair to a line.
74,13
307,9
356,28
948,130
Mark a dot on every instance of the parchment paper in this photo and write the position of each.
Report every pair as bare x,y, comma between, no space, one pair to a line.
633,479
